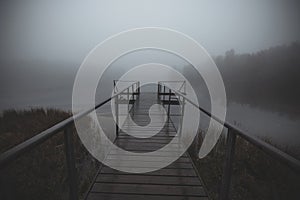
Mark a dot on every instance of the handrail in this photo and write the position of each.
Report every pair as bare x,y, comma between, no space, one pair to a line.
36,140
294,163
183,85
65,125
232,132
23,147
115,89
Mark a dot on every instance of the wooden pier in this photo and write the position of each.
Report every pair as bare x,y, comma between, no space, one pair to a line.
178,180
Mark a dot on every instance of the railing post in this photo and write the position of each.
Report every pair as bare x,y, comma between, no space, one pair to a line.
164,92
158,90
182,113
117,114
70,158
128,99
169,105
158,87
227,171
114,86
127,93
132,88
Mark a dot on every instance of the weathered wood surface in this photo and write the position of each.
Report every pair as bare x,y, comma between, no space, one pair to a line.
177,181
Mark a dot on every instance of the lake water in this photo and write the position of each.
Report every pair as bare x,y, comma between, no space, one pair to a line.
280,129
54,90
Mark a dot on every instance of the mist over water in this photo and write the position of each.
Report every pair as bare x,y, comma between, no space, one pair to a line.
44,43
255,45
37,85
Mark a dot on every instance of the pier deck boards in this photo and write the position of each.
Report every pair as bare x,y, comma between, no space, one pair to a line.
177,181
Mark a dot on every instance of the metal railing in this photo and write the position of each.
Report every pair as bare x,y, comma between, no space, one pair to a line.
124,97
66,127
181,89
133,90
134,83
233,131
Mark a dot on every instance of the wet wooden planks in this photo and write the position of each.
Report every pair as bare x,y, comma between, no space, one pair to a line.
177,181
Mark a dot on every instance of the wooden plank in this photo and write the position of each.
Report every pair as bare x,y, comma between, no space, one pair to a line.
145,164
168,131
162,153
146,144
161,172
136,178
149,148
167,102
149,140
124,101
148,189
148,135
160,147
125,129
138,138
154,123
176,181
161,137
104,196
146,158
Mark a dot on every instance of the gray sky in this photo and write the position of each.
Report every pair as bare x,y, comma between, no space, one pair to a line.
68,30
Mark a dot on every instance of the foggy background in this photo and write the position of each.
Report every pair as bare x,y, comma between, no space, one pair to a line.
44,42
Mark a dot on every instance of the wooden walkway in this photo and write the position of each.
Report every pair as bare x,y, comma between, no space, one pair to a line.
176,181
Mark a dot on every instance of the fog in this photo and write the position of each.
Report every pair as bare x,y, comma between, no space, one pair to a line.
68,30
44,42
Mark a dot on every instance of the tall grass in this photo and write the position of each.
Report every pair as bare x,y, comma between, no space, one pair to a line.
40,173
255,174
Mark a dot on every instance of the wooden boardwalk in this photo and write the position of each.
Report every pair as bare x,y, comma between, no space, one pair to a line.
176,181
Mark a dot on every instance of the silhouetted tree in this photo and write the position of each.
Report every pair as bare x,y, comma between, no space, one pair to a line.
269,79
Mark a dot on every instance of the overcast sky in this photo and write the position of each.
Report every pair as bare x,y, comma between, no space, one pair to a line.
68,30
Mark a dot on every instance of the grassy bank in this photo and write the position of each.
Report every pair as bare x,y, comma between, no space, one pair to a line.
255,174
40,173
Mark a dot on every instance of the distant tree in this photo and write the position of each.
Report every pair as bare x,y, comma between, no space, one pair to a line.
230,53
269,79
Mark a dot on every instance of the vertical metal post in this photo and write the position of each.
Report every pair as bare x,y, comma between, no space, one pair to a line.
227,171
114,86
169,105
117,114
132,88
128,99
164,92
158,90
182,113
70,158
127,93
